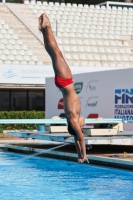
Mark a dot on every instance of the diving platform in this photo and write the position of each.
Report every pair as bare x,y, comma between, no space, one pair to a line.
62,121
125,138
96,131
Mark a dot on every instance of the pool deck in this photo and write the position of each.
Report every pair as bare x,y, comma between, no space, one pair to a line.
108,151
113,157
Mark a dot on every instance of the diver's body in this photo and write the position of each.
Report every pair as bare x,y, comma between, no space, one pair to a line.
63,80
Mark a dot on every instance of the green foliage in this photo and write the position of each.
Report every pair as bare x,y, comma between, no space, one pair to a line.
20,115
1,130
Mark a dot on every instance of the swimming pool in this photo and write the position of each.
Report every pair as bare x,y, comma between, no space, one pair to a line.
39,178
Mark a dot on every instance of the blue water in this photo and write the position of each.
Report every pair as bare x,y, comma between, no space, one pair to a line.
50,179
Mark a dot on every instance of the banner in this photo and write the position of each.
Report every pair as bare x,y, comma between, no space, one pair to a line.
34,74
107,94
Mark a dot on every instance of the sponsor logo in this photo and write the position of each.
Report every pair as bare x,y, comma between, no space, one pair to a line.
9,74
78,87
92,86
124,96
61,104
123,103
92,116
92,102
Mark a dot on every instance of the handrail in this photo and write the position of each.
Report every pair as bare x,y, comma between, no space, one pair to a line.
62,121
24,22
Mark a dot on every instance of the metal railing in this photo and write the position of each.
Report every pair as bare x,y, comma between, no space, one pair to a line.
62,121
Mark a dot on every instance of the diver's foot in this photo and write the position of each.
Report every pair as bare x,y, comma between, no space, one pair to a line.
85,160
43,22
80,160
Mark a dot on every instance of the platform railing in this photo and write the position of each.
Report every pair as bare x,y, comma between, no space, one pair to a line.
62,121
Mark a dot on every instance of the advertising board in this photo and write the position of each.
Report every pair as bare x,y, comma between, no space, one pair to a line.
106,94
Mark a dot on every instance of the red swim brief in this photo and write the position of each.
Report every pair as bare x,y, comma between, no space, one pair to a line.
62,82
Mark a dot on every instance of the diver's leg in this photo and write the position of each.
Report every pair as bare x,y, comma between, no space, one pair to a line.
52,48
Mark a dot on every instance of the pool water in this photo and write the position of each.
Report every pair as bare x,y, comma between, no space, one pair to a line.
37,178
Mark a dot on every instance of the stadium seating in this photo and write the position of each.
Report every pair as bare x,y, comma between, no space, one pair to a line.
17,43
12,49
87,35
